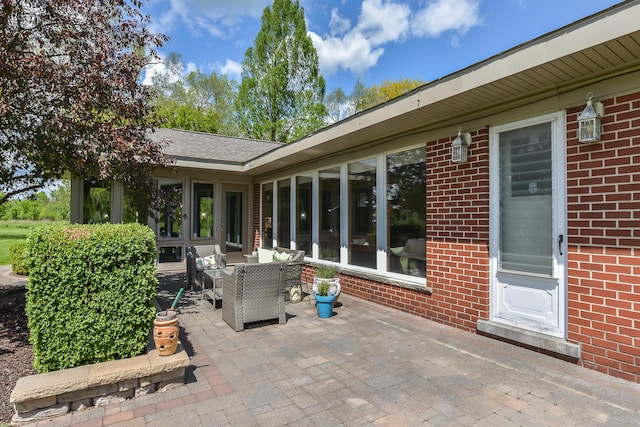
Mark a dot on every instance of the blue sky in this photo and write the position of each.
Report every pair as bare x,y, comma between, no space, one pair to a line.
370,40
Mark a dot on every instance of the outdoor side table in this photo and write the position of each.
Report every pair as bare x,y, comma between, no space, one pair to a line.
215,293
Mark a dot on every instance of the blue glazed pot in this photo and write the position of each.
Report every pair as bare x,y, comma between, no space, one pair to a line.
324,305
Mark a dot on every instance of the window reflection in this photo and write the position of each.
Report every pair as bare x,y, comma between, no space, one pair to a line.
329,186
284,213
96,207
406,212
202,210
267,216
304,214
362,213
170,221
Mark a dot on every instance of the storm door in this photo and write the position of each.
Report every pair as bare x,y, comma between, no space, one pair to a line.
528,225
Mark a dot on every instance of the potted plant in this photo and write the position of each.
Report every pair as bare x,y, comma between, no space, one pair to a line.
324,300
326,284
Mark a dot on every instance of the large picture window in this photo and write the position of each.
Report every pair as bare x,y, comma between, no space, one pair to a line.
362,213
366,214
267,215
96,202
406,212
304,213
329,214
284,213
170,217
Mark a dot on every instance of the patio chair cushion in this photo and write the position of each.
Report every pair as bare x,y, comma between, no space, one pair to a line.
265,255
206,263
281,256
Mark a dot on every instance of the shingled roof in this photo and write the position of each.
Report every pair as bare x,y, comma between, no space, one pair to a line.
209,149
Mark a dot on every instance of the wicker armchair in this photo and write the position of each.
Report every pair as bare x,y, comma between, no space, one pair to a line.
254,292
195,277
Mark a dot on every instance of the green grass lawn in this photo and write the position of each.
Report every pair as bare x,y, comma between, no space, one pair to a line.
11,232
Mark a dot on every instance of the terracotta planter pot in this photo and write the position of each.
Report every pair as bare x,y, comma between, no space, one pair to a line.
165,332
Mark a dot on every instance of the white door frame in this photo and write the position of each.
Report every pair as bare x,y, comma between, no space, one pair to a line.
559,228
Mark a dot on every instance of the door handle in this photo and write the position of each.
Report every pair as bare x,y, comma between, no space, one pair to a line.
560,240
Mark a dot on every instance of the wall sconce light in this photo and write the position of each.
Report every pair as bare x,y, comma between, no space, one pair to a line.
460,147
589,121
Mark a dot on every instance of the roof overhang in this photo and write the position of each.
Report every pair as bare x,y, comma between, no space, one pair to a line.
603,45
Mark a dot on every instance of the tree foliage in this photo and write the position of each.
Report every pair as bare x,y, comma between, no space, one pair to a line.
282,92
70,96
54,205
337,105
365,98
198,101
341,106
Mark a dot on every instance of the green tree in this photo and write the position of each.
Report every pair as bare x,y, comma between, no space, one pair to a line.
363,98
70,96
336,104
281,94
197,101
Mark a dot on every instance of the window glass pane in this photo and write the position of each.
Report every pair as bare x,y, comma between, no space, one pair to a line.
169,254
303,214
233,239
526,242
202,210
284,213
96,203
406,212
329,186
362,213
170,218
135,208
267,216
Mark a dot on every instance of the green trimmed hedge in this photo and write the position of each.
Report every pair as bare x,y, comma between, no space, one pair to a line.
90,295
16,256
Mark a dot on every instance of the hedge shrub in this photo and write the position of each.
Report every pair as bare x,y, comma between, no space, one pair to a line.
90,295
16,257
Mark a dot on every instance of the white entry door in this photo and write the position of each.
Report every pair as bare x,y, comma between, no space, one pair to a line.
528,225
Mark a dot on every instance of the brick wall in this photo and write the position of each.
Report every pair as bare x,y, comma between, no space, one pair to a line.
603,208
603,188
458,232
457,242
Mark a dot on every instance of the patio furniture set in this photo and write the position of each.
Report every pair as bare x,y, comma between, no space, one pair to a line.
250,292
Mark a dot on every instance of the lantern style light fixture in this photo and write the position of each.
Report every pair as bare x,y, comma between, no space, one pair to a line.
589,121
460,147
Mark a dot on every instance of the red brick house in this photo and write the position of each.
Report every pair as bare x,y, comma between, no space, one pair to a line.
533,239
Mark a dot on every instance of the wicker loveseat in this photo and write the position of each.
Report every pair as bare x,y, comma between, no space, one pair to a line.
254,292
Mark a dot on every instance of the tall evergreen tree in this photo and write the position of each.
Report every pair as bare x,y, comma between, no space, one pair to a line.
281,94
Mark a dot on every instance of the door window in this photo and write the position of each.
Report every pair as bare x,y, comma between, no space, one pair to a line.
202,210
526,243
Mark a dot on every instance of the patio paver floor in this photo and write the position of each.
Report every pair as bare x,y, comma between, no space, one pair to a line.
367,365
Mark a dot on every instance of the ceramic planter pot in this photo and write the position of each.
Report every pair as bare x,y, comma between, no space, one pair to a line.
324,305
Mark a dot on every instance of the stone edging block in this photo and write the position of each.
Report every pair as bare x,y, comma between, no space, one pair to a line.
34,393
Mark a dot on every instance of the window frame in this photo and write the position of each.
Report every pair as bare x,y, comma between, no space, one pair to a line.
381,218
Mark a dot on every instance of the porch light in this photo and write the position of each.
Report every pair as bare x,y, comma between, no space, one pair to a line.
589,125
459,147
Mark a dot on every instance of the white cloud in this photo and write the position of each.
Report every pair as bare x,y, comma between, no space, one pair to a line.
217,18
440,16
160,68
338,24
232,69
358,48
